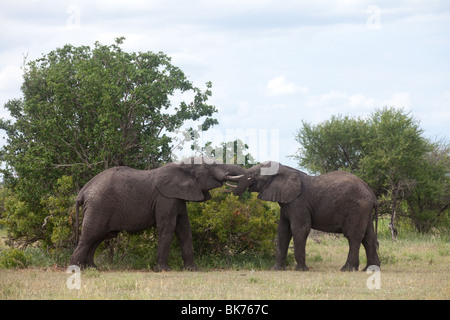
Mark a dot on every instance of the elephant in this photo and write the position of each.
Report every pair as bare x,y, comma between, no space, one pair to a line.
337,202
126,199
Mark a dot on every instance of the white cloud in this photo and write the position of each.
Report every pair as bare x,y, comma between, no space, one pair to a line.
321,107
399,99
10,77
360,101
280,86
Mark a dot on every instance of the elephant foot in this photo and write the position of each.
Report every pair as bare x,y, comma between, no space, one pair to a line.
299,267
84,265
279,267
191,267
348,267
162,267
373,267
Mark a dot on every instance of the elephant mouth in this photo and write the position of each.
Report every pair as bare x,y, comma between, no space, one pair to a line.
242,182
232,185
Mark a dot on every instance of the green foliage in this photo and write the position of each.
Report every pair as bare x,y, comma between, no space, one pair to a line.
84,110
230,225
59,207
13,258
19,219
53,225
332,145
395,151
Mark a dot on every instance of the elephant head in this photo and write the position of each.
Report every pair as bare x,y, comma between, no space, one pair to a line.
273,181
192,178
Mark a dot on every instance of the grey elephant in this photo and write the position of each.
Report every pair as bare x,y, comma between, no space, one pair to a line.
337,202
125,199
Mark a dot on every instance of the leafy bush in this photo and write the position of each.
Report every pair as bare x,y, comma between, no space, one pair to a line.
230,225
52,225
59,210
13,258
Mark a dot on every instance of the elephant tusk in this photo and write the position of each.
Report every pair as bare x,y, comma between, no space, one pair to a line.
230,185
234,178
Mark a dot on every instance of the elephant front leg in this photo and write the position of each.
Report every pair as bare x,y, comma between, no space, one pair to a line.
165,236
300,235
284,236
184,235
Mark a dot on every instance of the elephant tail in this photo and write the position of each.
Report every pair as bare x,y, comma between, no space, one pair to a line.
375,206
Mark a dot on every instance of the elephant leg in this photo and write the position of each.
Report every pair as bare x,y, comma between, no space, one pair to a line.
184,236
83,255
370,245
165,223
300,234
352,263
78,257
284,235
354,237
91,253
354,230
162,253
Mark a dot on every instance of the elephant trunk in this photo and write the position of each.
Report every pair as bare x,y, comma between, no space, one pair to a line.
243,183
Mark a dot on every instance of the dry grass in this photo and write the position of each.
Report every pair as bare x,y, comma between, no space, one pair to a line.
410,270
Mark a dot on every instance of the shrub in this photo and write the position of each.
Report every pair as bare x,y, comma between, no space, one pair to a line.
13,258
230,224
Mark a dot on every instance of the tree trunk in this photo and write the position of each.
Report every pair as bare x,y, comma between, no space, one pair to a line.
394,232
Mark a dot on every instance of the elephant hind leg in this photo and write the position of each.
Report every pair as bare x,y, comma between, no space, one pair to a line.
370,245
94,246
83,255
352,263
355,229
80,256
354,240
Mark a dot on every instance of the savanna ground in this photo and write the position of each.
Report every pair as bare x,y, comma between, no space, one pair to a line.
415,267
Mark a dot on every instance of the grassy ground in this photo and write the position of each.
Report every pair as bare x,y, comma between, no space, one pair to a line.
413,268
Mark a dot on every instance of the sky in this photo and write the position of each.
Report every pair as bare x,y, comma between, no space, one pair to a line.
273,64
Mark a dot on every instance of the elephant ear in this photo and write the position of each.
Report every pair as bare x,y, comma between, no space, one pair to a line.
284,187
175,182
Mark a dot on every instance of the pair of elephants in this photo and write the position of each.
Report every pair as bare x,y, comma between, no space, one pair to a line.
125,199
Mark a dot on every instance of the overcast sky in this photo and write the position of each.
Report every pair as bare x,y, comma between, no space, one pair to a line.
272,63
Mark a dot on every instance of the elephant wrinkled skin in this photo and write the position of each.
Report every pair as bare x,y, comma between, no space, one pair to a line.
337,202
126,199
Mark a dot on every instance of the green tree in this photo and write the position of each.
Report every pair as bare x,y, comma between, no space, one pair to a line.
86,109
389,152
396,153
335,144
429,201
